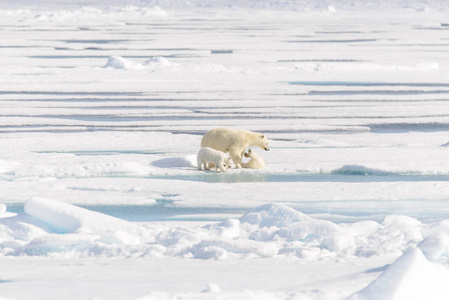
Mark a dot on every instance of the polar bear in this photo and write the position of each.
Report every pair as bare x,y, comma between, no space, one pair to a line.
256,161
234,141
208,155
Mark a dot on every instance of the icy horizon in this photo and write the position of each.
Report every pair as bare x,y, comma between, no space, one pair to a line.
299,5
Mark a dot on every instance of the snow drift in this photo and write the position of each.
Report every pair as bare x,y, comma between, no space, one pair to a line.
50,226
410,277
65,218
188,161
118,62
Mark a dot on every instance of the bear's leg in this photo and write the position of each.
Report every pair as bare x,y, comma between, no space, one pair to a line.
200,165
218,165
236,157
246,165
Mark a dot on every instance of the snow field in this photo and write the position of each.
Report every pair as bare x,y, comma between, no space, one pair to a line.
55,229
101,115
267,231
130,174
410,277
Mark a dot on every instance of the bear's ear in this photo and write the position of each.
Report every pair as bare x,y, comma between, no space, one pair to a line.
262,136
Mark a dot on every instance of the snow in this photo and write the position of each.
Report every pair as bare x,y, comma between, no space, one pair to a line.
65,218
411,276
103,107
265,231
118,62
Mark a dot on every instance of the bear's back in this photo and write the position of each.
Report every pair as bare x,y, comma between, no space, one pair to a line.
219,138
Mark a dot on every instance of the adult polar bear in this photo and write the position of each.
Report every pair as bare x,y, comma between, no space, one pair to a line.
234,141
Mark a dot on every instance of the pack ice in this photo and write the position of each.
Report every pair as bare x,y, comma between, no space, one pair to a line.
102,109
267,231
53,228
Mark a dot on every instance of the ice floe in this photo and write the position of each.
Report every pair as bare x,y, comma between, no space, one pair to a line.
104,104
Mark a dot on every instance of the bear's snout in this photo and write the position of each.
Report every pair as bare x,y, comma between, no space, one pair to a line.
267,149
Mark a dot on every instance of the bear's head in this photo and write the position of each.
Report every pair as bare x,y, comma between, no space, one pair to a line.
249,153
227,162
263,142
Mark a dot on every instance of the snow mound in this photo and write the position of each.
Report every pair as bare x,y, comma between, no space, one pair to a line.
360,170
118,62
436,247
159,64
436,243
66,218
176,162
159,61
410,277
271,214
50,227
274,221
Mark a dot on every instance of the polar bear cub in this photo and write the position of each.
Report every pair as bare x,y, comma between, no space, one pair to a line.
208,155
256,161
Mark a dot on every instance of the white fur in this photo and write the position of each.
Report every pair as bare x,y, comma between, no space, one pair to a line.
234,141
256,161
219,159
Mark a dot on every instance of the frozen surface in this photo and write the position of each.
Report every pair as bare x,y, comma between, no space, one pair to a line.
102,110
410,277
